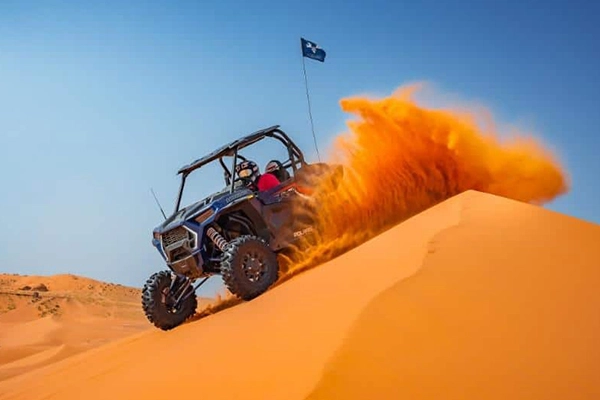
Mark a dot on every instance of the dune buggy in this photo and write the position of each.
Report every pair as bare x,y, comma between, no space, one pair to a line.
236,233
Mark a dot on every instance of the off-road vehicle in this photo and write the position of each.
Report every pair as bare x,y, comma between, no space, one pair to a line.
237,232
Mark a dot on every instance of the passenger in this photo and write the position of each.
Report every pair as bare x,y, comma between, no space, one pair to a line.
249,172
275,167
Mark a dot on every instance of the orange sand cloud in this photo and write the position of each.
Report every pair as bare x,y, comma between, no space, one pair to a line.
401,158
477,297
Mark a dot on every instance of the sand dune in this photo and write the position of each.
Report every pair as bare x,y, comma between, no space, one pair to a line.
44,319
505,306
477,297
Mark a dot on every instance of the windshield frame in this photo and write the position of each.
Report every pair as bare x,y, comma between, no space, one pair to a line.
295,158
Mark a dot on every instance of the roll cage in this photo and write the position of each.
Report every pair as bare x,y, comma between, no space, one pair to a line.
295,157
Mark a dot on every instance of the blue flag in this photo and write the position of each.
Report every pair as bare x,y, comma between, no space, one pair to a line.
312,50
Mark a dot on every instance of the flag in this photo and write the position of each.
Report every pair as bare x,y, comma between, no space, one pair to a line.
312,50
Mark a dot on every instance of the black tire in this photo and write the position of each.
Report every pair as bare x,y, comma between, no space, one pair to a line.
244,284
156,298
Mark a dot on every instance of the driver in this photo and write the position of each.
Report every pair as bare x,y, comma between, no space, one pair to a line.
249,172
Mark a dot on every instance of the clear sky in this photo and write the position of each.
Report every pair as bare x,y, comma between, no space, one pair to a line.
98,103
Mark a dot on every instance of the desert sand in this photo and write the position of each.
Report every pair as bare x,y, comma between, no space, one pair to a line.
477,297
44,319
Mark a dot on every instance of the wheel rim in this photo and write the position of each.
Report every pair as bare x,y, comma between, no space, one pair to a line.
168,300
254,266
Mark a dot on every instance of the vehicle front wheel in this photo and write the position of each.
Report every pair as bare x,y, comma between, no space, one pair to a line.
158,301
249,267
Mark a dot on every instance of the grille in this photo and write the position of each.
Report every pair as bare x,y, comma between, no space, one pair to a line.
174,236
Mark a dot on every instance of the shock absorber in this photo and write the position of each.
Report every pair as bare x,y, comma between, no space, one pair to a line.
216,238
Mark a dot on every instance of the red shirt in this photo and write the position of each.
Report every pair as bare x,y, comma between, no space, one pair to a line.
267,181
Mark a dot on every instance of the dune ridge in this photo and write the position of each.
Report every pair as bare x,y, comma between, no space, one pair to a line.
504,306
316,336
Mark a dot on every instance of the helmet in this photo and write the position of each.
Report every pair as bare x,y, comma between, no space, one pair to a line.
272,166
276,168
247,170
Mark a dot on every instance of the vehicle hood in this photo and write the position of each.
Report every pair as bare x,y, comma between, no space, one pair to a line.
215,200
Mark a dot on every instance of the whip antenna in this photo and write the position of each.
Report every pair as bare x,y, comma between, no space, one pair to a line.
161,210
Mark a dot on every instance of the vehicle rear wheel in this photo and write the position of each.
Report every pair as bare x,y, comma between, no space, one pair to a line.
158,301
249,267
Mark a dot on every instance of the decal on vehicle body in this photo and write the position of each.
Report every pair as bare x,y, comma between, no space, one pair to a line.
303,232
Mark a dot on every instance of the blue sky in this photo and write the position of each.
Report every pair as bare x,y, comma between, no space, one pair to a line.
98,103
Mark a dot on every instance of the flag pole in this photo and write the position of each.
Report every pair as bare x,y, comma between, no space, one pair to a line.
312,126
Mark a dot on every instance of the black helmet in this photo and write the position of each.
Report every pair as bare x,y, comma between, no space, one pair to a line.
273,166
247,170
276,168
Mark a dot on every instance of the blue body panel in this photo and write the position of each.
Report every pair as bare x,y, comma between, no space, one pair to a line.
218,202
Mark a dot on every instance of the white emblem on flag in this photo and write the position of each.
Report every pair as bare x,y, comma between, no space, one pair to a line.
312,46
